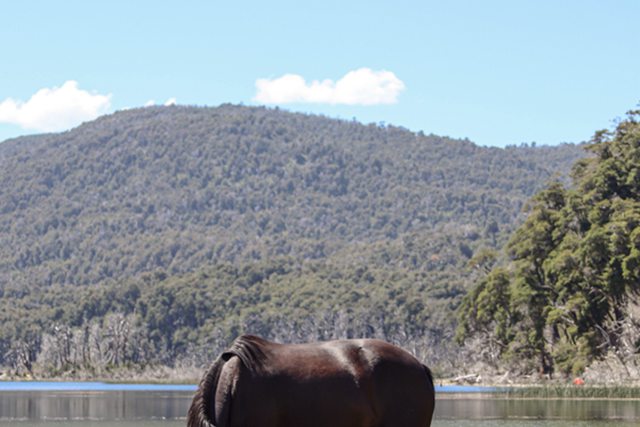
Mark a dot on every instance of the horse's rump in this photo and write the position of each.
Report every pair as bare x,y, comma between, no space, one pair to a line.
366,383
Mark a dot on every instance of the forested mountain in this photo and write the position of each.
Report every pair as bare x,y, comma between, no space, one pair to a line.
193,222
569,293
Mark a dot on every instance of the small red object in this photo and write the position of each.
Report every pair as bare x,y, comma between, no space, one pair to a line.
578,381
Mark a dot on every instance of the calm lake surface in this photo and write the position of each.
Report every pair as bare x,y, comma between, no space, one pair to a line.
117,405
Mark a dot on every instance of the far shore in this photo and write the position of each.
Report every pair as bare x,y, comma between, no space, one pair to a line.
549,389
147,375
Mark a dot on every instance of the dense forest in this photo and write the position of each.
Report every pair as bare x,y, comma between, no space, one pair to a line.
156,235
568,293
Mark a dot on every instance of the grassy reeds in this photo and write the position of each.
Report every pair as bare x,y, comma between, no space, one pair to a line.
573,392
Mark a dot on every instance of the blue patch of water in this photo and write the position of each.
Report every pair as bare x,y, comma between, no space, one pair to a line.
89,386
465,389
100,386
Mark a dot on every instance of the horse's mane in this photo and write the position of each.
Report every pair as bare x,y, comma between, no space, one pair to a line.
251,352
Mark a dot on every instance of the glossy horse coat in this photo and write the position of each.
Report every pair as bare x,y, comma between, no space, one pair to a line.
349,383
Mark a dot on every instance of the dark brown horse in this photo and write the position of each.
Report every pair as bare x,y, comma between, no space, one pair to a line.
350,383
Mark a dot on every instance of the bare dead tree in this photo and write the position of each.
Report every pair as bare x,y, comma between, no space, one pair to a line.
23,353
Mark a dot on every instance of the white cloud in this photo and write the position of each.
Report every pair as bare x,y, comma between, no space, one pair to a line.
168,102
363,86
55,109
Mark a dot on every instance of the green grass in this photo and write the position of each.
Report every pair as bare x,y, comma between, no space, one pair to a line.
574,392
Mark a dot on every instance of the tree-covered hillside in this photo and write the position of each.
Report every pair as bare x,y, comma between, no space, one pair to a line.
191,222
569,293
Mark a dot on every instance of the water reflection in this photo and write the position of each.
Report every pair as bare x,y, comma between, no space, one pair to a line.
123,405
169,408
550,409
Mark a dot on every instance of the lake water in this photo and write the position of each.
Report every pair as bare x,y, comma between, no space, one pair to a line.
117,405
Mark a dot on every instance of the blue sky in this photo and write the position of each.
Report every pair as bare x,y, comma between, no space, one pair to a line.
497,72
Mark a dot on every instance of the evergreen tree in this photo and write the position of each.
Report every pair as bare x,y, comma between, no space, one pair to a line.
562,299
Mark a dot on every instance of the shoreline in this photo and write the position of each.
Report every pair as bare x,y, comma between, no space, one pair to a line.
443,392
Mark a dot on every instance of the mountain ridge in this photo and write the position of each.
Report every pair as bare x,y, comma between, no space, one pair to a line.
265,211
119,168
